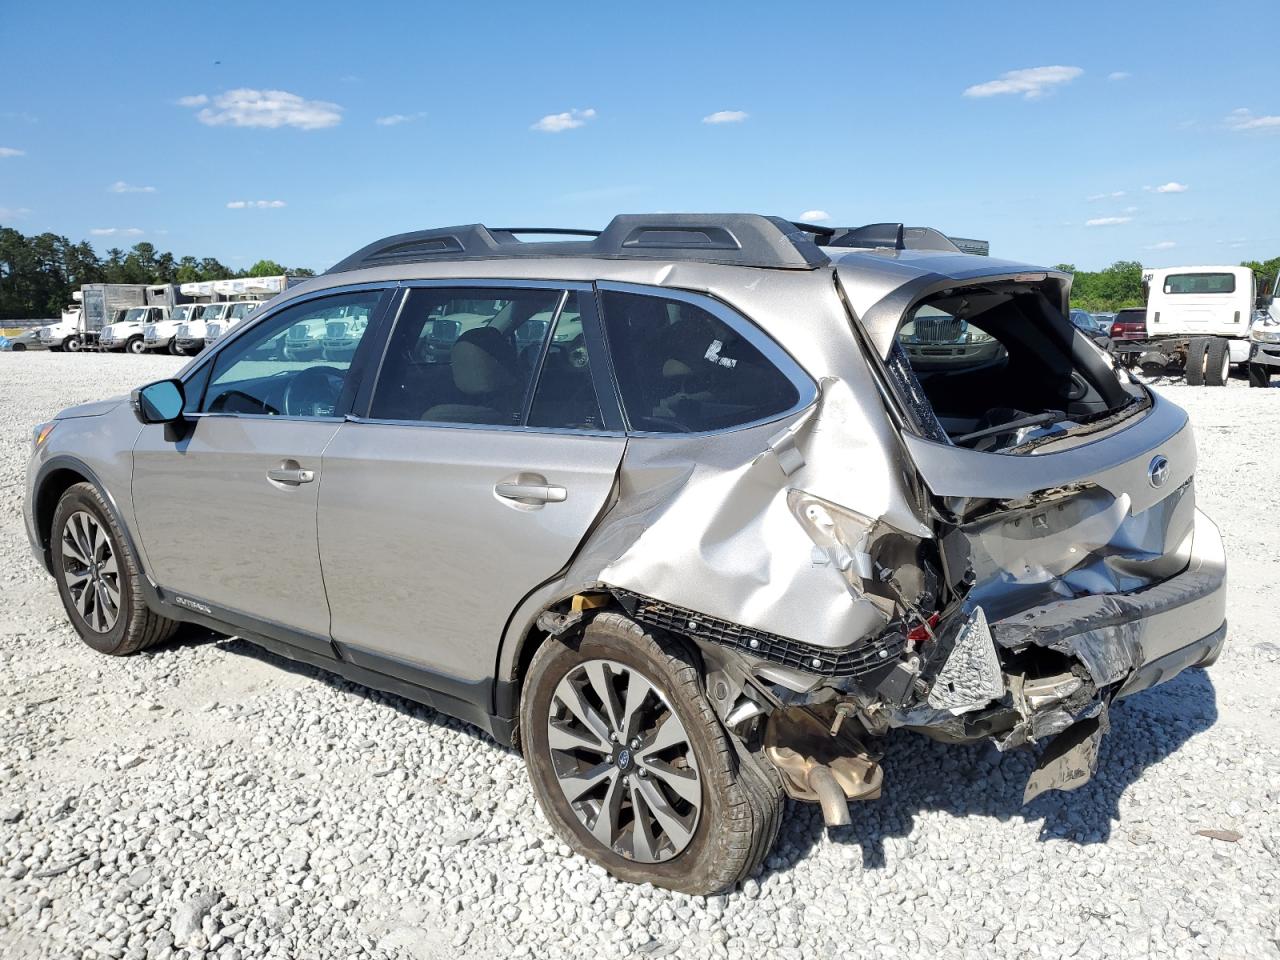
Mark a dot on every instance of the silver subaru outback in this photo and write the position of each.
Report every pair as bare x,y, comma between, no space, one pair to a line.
692,510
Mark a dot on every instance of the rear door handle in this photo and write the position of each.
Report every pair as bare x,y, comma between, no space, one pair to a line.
531,492
289,472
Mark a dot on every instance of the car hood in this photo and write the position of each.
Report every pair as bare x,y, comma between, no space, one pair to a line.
95,409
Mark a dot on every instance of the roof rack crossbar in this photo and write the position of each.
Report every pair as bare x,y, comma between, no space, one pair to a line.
739,239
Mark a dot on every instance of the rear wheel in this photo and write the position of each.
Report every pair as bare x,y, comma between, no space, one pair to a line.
98,577
1259,375
1195,361
1217,363
632,767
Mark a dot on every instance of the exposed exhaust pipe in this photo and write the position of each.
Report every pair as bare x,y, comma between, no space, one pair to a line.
835,805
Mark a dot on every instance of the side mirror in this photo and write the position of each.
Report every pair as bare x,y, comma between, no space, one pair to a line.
159,402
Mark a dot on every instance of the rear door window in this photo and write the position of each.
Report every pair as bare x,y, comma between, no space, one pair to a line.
463,355
685,367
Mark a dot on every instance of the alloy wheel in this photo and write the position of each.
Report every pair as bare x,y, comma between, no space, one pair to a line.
91,571
624,762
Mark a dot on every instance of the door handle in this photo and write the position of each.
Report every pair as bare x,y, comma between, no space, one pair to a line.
289,472
531,492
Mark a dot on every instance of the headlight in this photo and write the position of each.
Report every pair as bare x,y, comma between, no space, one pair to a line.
1266,334
41,433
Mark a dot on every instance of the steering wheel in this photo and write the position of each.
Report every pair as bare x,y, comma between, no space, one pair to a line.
313,392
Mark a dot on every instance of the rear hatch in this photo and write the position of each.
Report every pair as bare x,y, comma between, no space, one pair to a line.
1054,475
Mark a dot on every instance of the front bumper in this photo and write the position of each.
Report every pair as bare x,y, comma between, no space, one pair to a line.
156,343
190,343
1265,354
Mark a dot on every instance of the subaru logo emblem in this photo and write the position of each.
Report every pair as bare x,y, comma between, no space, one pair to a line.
1158,471
624,759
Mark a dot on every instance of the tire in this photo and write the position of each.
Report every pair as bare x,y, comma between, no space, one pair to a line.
19,348
1195,361
134,626
173,349
73,345
1217,363
1259,375
715,843
135,346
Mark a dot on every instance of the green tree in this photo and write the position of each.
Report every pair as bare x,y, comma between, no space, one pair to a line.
266,268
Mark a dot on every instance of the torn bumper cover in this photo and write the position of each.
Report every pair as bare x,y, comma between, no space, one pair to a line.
1053,670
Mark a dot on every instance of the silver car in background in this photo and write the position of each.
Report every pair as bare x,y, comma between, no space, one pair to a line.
684,509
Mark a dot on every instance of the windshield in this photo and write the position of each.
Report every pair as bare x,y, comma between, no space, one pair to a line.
1200,283
212,312
242,310
136,315
183,312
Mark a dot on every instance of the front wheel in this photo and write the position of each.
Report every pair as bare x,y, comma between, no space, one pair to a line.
73,345
135,346
632,767
1259,375
98,577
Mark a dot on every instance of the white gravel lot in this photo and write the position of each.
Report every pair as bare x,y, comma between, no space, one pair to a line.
207,799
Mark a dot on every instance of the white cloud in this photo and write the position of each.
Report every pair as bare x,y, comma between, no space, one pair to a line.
1113,195
255,204
13,213
1173,186
1129,210
121,187
12,152
1119,75
1163,245
1031,83
1243,119
1106,221
265,108
116,231
559,122
394,119
726,116
196,100
814,216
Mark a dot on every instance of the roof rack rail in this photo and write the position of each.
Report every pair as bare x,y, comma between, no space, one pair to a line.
893,236
739,239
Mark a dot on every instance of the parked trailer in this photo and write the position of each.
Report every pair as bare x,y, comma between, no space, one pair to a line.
1197,323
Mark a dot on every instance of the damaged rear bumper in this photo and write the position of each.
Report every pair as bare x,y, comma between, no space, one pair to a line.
1063,663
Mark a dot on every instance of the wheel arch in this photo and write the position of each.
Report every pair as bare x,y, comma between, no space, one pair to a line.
57,475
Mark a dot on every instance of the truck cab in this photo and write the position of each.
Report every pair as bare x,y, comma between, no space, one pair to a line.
190,335
162,335
216,329
65,334
126,333
1197,322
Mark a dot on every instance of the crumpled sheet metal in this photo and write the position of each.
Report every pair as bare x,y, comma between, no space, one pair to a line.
1106,633
970,678
705,523
1086,542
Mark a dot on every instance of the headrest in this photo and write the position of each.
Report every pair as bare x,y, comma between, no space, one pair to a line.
484,361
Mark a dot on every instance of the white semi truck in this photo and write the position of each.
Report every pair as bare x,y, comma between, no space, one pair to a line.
1198,322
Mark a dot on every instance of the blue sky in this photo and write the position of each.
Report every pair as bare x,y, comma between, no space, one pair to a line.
998,121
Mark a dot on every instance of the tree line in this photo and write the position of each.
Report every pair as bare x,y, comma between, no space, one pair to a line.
1120,285
39,273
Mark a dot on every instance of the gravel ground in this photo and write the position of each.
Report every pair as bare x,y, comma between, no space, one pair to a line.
210,800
